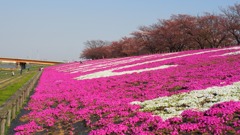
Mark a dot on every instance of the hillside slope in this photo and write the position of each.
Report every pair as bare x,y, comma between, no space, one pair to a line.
177,93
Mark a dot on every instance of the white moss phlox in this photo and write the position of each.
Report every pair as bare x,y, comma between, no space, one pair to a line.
108,73
174,105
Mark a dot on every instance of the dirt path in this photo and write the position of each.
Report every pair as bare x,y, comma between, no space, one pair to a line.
5,80
8,82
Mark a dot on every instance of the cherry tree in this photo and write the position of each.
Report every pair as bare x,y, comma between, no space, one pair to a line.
95,49
232,14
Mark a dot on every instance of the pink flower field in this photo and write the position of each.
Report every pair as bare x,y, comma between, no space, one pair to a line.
190,92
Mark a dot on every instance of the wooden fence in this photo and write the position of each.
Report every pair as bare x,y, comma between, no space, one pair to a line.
13,105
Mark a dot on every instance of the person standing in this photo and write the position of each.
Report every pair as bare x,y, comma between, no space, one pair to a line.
13,73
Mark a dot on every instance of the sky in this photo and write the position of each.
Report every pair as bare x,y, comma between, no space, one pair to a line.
56,30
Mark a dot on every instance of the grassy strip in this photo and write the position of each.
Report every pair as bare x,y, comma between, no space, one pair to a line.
8,91
9,81
7,75
4,74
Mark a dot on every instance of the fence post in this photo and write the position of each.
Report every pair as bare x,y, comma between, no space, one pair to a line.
20,102
14,107
9,117
17,104
26,93
23,94
3,124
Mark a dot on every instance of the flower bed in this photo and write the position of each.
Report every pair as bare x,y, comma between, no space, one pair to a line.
202,100
109,96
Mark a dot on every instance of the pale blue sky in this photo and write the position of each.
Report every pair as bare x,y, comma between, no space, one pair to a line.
57,29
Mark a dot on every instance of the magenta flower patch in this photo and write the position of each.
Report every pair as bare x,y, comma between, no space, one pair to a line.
71,96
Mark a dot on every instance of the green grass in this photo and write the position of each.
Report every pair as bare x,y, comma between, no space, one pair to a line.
11,88
4,74
10,84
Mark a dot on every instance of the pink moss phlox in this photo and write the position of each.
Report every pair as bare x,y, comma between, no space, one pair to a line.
104,103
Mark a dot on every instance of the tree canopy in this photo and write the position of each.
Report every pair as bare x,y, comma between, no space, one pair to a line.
180,32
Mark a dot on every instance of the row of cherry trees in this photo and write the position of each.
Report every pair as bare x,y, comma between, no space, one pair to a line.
180,32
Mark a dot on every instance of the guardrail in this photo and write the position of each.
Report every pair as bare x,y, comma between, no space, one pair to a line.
13,105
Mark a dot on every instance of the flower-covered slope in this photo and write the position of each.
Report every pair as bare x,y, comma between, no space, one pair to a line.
192,92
